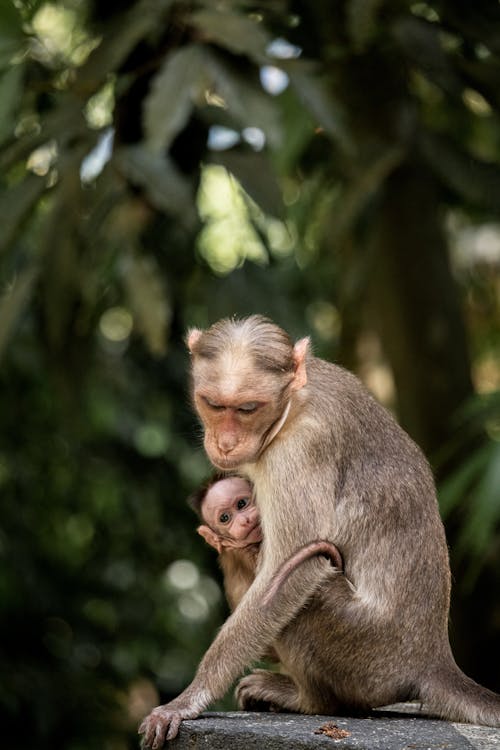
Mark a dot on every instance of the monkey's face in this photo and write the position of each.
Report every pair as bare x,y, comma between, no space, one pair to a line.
235,433
243,380
238,412
229,510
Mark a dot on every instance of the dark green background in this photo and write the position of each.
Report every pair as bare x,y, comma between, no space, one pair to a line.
364,224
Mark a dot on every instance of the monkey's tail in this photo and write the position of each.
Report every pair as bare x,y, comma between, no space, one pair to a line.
312,549
450,694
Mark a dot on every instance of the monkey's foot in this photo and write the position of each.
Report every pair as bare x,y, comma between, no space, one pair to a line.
267,691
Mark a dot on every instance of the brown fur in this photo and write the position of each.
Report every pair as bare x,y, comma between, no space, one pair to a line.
239,567
239,563
340,468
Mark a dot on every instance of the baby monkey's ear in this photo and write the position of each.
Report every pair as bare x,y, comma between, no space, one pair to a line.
210,537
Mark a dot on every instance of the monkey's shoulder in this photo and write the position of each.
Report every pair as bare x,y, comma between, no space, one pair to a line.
331,378
346,421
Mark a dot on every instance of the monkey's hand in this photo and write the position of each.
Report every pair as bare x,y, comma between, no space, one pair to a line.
164,721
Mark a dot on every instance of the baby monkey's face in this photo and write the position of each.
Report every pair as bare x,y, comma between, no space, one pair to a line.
229,509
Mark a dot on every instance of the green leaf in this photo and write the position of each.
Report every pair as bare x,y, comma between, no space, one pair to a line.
15,205
420,41
475,486
475,24
244,97
64,124
148,301
360,190
10,20
11,32
174,91
28,8
10,94
13,303
255,174
300,131
456,486
484,510
61,270
237,33
483,75
181,85
312,90
474,180
127,31
362,21
166,188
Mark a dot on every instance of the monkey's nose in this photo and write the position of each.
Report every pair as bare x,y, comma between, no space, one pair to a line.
227,445
251,517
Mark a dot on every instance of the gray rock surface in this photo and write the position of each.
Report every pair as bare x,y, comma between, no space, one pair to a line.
384,730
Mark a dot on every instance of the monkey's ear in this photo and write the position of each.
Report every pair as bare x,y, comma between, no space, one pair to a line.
299,357
210,537
192,338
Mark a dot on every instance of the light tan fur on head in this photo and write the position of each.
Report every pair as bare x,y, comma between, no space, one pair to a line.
235,364
267,344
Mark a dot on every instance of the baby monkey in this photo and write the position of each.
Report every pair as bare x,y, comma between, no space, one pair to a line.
231,525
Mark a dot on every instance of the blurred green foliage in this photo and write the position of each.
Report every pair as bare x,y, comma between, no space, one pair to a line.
335,166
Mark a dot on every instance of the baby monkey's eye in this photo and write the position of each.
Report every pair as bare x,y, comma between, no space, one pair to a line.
242,503
224,518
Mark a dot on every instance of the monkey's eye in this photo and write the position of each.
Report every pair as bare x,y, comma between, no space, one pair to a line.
242,503
212,404
224,518
248,408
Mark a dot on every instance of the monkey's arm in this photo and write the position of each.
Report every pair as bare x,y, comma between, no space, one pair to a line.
239,567
244,638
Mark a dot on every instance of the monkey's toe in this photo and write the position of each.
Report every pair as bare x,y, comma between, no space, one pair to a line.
266,691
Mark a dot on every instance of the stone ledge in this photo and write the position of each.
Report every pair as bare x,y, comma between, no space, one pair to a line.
383,730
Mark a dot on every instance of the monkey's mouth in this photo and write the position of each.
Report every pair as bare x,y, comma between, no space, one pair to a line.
226,463
255,534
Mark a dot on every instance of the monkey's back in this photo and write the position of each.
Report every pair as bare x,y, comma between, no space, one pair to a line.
377,492
385,513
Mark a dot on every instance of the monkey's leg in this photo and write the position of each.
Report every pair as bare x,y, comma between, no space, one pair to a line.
263,690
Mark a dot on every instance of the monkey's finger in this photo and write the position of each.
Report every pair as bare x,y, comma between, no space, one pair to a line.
175,723
161,728
149,734
143,729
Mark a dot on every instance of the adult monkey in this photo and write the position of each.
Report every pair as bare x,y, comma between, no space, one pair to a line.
326,461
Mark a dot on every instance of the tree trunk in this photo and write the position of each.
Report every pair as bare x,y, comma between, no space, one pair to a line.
417,310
